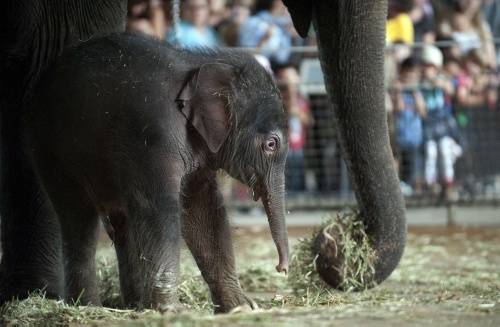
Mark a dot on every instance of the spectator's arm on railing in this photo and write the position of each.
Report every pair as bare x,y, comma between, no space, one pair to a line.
420,103
466,98
446,85
396,96
488,46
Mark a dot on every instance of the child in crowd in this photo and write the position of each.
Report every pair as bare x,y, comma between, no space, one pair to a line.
409,110
194,29
479,88
146,17
439,123
299,120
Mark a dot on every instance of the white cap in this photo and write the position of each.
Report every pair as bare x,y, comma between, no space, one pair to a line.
432,55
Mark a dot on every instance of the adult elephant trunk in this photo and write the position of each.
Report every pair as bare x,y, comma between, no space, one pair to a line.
274,204
351,38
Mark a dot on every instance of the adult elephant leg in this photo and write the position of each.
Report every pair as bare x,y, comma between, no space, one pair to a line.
206,230
351,39
31,241
32,34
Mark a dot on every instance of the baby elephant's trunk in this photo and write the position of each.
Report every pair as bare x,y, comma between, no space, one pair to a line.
274,204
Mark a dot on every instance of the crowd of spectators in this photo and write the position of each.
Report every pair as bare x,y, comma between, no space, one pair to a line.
264,25
440,58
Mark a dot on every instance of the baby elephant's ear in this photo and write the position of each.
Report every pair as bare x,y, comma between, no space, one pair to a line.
204,101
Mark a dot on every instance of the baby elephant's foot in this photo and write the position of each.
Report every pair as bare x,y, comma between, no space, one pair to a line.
165,297
250,305
175,307
230,300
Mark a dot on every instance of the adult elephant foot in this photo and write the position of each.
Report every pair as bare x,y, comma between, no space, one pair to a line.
351,40
18,286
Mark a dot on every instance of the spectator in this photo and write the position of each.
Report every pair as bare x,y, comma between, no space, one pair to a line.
194,31
271,31
218,12
475,88
452,70
439,124
464,22
399,26
472,93
491,11
146,17
449,48
229,28
409,110
422,16
299,119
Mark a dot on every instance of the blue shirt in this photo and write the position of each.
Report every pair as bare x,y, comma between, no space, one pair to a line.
188,36
438,122
409,128
277,47
435,102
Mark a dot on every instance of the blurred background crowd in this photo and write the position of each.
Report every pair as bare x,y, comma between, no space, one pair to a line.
441,90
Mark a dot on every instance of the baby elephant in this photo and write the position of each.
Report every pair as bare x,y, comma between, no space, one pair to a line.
133,131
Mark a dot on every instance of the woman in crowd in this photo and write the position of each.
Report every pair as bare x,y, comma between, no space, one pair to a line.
463,22
422,16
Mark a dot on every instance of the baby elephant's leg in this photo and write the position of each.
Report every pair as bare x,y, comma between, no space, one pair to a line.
148,258
118,230
147,239
207,233
80,230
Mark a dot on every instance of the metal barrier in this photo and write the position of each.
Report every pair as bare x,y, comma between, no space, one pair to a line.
326,183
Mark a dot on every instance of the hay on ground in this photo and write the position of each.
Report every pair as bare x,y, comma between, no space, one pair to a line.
346,234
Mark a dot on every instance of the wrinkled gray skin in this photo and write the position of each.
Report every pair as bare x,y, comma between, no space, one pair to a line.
32,34
133,130
351,40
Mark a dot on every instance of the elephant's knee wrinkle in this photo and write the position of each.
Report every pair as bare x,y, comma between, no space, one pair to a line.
165,277
164,288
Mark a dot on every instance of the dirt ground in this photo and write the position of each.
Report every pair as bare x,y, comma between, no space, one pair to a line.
447,277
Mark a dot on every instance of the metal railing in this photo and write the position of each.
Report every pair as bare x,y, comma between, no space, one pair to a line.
326,183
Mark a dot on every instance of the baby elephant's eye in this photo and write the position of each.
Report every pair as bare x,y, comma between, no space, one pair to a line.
271,144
